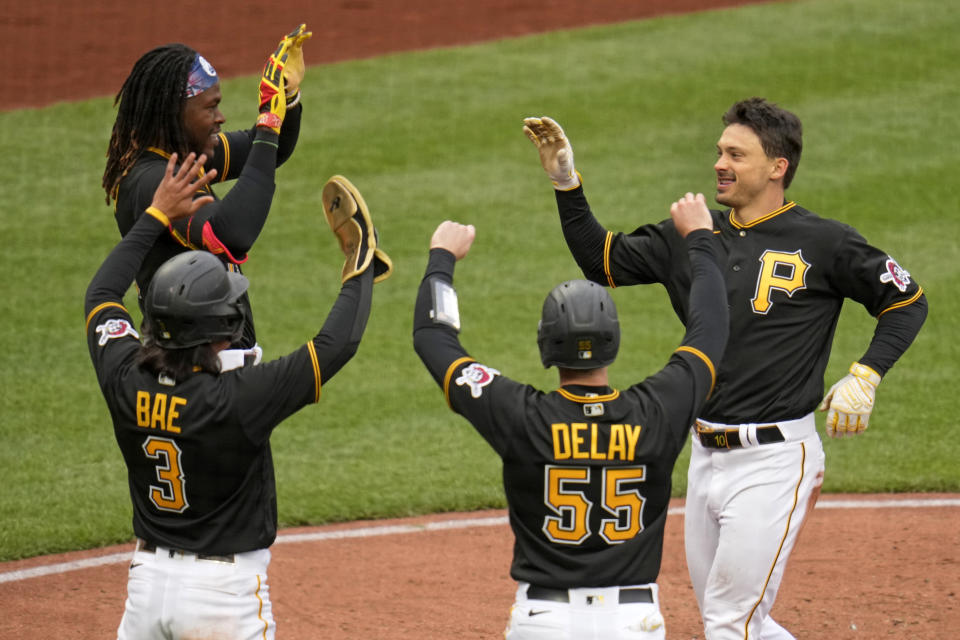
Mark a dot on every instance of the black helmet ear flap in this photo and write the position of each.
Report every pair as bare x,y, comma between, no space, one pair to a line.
193,299
578,327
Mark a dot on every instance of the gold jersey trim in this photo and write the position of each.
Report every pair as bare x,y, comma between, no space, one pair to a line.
100,307
317,384
608,241
786,532
706,361
613,395
449,374
903,303
226,157
737,225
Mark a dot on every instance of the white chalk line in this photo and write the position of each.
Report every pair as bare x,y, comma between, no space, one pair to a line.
440,525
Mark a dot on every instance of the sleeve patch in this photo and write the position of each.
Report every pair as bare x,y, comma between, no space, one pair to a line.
895,274
115,328
477,376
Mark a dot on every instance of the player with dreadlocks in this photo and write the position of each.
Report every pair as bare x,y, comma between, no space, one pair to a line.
170,104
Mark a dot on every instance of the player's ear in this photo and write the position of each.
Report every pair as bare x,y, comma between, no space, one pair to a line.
778,169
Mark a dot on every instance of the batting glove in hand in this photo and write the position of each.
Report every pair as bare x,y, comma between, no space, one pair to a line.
294,69
849,402
273,102
556,154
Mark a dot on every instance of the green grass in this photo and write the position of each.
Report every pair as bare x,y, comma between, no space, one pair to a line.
434,135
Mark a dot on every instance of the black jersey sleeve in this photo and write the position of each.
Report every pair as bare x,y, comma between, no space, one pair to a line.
436,343
682,387
289,133
232,225
608,258
476,391
339,338
109,327
888,291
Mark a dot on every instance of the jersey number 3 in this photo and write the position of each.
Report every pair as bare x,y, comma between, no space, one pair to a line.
565,494
168,494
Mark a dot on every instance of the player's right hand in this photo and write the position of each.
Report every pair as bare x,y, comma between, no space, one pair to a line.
690,213
174,196
556,154
273,101
454,237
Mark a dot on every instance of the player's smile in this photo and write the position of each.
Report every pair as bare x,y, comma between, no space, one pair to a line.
724,181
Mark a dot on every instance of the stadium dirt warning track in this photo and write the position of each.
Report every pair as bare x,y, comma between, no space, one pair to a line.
866,567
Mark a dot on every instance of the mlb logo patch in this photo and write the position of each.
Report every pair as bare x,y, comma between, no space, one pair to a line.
115,328
585,349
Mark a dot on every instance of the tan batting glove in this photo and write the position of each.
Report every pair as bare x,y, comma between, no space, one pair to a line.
294,70
849,402
556,154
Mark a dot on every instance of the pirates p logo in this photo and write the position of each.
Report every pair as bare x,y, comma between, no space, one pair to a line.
779,271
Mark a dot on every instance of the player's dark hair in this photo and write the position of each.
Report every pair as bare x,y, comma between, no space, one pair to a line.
179,364
150,111
780,131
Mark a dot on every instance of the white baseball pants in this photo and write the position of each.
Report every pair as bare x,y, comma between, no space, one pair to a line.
744,510
173,595
591,614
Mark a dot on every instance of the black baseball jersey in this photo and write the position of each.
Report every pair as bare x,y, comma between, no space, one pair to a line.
227,227
586,470
786,276
197,451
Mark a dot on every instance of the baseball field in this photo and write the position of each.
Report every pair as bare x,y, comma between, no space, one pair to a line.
428,126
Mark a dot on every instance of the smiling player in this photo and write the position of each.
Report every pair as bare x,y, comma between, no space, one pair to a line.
757,462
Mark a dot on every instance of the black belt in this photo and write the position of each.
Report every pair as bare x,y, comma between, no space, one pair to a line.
150,547
627,594
730,438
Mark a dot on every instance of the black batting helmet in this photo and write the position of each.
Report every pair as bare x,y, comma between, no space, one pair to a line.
578,327
194,300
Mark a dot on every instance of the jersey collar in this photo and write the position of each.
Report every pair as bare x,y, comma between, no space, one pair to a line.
772,214
163,154
583,399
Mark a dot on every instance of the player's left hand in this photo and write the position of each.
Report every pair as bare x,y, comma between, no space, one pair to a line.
454,237
174,196
849,402
294,69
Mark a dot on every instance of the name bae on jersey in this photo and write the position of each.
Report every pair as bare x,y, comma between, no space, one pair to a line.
570,441
159,411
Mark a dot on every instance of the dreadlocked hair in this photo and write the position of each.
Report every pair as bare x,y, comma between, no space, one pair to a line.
150,107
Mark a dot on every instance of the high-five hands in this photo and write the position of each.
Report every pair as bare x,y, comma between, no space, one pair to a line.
556,154
690,213
285,62
174,196
294,69
454,237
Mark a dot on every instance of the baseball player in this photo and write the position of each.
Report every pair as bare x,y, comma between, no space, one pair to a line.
196,438
170,103
586,468
757,462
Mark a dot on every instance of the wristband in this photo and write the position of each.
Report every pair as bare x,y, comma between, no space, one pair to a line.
445,308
